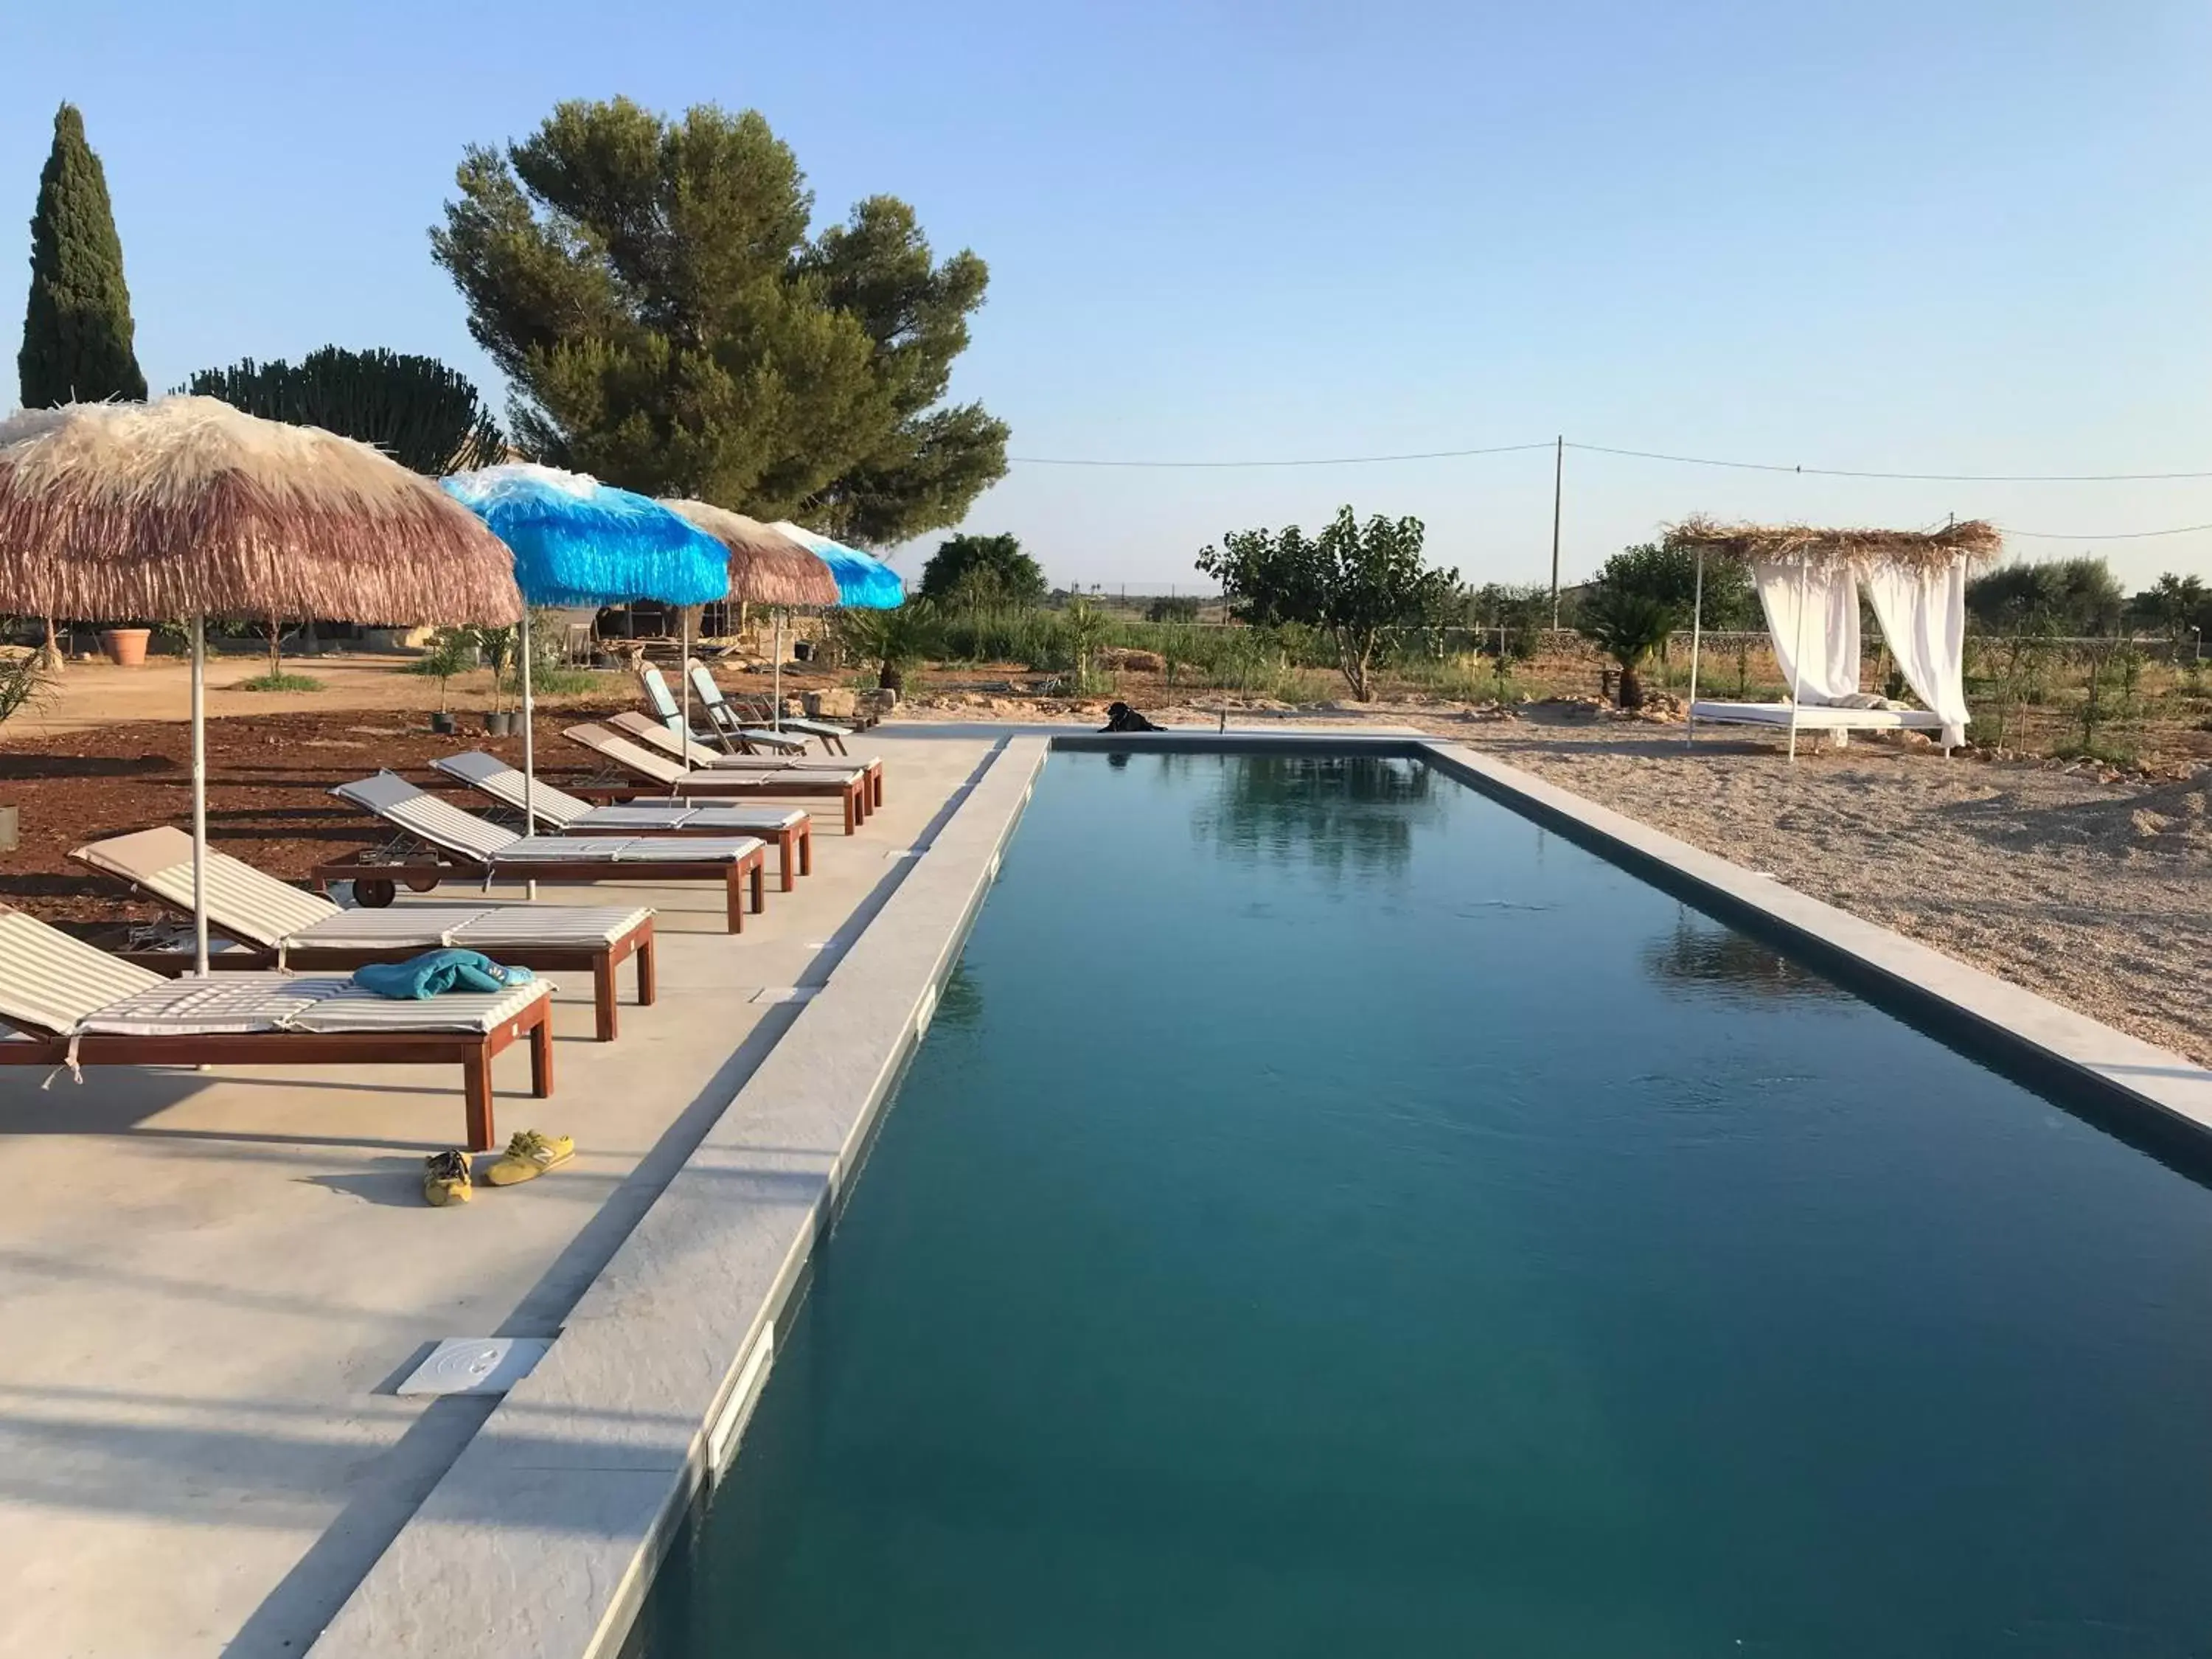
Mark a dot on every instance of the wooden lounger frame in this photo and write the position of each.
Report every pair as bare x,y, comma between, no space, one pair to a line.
375,875
472,1050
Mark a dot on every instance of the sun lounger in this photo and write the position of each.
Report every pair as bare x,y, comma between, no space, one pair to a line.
77,1006
565,815
459,844
735,717
701,758
676,779
727,740
281,926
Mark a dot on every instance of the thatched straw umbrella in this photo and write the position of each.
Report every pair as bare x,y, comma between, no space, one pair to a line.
766,567
577,541
185,506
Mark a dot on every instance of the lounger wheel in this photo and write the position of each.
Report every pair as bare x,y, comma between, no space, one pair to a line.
419,885
374,892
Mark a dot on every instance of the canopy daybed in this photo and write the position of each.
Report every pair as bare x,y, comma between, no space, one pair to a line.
1808,582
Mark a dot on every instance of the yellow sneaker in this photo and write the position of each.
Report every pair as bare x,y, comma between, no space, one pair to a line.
446,1179
528,1156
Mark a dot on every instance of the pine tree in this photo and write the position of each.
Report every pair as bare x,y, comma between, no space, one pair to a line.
77,332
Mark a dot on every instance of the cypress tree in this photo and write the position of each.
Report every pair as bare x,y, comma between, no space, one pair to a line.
77,332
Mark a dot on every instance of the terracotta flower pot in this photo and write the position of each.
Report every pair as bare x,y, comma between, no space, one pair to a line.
125,647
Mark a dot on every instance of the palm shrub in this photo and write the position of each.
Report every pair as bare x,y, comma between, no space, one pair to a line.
24,680
895,640
1631,628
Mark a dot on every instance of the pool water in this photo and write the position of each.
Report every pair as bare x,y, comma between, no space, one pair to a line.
1332,1215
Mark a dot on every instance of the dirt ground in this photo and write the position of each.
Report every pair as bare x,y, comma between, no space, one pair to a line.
269,801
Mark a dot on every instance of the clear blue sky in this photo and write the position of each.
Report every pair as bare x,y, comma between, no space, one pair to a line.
1921,235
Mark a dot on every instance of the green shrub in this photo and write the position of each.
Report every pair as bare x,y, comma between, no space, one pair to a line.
283,682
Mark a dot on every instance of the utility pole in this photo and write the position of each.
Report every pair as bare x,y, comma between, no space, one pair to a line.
1559,470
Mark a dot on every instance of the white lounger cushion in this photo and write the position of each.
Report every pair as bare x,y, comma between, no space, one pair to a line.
701,758
1817,716
236,1004
643,762
495,778
478,926
734,819
250,905
629,849
50,980
394,799
439,823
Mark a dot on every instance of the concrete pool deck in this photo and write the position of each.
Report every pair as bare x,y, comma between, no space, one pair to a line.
212,1282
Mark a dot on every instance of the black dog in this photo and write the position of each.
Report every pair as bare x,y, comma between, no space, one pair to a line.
1120,717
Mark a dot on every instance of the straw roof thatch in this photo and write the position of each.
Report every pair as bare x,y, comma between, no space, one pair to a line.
1973,540
185,505
766,567
864,581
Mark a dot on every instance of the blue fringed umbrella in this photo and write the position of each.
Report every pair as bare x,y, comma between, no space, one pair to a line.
863,582
579,542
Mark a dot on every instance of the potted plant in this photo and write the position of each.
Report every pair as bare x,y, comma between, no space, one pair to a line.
125,645
451,650
499,647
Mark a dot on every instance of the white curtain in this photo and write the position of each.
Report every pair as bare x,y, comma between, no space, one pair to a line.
1829,641
1922,613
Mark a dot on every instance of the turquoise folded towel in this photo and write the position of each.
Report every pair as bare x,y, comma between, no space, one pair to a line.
436,972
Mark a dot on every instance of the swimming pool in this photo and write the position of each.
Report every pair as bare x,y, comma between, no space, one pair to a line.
1331,1213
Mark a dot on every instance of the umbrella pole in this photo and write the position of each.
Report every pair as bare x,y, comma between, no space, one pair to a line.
199,795
529,748
684,664
775,707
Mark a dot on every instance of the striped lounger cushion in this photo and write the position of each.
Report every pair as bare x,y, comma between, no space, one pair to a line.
608,849
237,1003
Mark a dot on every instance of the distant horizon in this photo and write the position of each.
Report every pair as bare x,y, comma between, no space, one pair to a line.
1860,237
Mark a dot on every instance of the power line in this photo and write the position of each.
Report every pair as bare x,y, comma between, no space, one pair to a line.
1910,477
2112,536
1327,460
1635,454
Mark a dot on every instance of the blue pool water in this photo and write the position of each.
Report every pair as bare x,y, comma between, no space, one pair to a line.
1332,1215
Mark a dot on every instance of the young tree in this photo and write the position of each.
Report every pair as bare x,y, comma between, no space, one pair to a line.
427,416
1011,575
649,287
77,335
1354,582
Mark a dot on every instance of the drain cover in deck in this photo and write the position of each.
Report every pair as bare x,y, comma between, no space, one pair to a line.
476,1364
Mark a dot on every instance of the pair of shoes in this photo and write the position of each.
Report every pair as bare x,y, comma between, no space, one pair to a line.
447,1179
